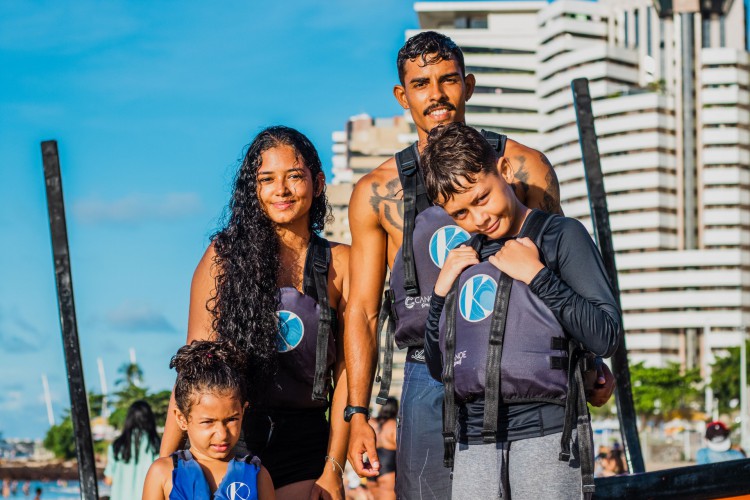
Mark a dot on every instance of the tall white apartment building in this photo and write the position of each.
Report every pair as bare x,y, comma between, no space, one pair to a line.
670,97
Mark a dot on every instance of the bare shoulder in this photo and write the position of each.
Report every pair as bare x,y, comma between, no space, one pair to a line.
158,481
207,266
535,179
377,199
163,465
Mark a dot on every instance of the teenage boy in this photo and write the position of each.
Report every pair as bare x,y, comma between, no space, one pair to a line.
533,285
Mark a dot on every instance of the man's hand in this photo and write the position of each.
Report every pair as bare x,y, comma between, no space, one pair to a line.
519,259
600,389
362,440
329,486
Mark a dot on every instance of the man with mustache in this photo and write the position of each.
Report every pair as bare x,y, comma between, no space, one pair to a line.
434,87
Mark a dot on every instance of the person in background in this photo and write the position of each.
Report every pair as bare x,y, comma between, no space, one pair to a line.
718,446
383,487
38,495
131,454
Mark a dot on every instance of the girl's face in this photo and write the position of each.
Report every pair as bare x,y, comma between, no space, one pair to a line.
213,425
285,186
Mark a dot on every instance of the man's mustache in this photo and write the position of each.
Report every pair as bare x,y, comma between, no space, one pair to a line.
442,104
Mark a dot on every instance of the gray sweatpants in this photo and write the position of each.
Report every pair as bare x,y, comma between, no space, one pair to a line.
520,470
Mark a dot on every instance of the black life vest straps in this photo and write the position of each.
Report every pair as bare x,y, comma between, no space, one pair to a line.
449,403
415,200
533,228
497,141
315,284
387,316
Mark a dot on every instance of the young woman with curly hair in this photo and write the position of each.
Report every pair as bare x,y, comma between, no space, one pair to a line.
270,284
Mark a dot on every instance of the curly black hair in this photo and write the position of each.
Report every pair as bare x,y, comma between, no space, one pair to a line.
206,366
431,47
247,258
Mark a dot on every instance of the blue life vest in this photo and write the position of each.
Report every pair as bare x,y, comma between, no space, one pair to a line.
189,483
305,340
429,233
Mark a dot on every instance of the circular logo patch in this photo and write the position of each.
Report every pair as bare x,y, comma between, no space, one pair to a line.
291,331
443,241
477,298
238,491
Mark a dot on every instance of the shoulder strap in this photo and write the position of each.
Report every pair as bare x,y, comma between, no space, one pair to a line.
387,317
320,251
449,383
415,200
496,140
533,228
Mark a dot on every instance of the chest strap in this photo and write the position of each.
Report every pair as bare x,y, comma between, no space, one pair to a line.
315,284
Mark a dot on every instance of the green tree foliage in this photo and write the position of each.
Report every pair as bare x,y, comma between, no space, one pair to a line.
60,439
663,393
725,378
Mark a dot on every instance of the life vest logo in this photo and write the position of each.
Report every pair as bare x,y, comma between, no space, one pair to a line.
443,241
291,331
477,298
238,491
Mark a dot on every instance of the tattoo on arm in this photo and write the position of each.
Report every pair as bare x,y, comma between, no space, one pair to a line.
521,174
551,197
388,199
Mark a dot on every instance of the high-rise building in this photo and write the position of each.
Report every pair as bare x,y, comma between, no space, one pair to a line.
670,97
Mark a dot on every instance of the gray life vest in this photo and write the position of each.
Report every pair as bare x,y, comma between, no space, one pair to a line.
510,349
305,340
429,233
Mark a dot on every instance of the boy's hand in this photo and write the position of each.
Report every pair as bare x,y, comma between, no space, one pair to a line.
458,259
519,259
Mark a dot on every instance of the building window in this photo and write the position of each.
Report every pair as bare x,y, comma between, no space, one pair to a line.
636,26
706,31
470,22
722,31
625,27
649,41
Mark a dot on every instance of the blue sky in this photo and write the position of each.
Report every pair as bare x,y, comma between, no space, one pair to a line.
152,104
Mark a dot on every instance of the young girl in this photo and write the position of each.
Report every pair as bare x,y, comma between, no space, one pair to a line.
210,402
269,283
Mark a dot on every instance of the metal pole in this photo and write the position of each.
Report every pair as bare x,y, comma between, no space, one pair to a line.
744,436
71,347
603,234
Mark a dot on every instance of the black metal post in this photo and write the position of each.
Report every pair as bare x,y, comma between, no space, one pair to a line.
603,233
71,346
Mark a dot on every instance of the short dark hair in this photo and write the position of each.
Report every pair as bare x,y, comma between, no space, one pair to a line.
432,47
454,152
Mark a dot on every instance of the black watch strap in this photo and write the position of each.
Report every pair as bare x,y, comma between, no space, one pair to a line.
349,412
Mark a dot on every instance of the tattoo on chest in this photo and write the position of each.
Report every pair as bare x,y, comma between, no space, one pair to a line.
386,201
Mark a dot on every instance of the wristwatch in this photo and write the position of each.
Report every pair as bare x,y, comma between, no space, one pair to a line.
349,412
